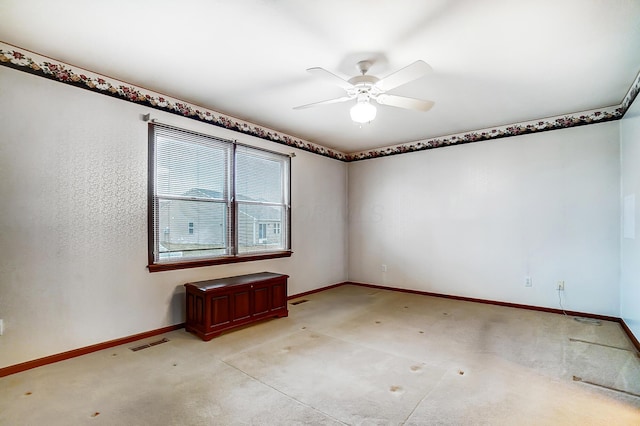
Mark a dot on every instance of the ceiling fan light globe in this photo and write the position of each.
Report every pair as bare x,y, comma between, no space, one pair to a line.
363,112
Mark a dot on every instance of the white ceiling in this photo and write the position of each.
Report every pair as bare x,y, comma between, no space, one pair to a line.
495,61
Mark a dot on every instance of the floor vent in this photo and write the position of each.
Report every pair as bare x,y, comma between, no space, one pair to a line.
297,302
148,345
591,321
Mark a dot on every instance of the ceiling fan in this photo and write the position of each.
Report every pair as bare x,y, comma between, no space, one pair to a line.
365,88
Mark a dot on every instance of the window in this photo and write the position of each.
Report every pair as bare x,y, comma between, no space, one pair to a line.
262,231
211,200
276,228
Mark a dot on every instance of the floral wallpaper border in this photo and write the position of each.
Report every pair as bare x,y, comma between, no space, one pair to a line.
32,63
26,61
534,126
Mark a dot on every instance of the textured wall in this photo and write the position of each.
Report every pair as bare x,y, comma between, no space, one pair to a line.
630,276
475,220
73,221
471,220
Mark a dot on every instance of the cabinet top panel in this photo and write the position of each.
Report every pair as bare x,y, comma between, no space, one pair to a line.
237,280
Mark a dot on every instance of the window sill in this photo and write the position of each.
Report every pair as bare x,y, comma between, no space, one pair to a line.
170,266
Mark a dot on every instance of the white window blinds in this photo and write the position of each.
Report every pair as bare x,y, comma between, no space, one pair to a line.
211,198
262,180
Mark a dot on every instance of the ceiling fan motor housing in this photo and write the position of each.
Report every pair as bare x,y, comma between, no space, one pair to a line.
364,85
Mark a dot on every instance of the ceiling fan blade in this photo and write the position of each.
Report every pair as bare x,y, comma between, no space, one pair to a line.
331,77
327,102
404,102
403,76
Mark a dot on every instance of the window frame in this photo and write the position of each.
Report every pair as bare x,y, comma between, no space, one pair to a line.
167,265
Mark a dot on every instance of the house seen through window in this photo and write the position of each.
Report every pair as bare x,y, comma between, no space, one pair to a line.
212,199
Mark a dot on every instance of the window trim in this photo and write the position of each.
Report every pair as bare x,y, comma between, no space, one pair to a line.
154,266
170,266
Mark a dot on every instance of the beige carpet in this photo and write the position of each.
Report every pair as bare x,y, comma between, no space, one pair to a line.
350,355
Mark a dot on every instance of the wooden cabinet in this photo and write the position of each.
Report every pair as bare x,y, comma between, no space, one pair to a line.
218,305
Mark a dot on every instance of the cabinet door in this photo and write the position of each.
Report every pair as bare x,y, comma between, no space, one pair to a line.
220,310
261,299
241,303
279,295
195,309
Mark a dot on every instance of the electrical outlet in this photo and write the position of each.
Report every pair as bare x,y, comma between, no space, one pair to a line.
528,282
560,286
1,327
383,268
